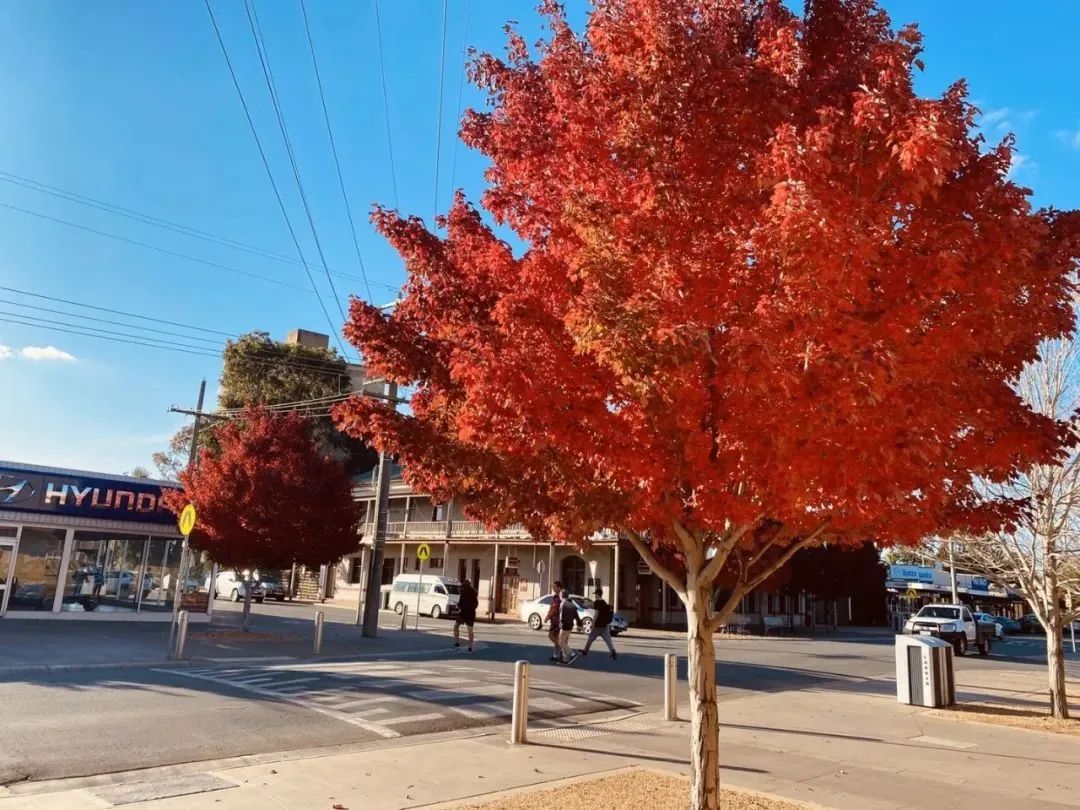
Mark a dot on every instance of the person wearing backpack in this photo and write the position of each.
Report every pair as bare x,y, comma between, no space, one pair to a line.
601,627
568,618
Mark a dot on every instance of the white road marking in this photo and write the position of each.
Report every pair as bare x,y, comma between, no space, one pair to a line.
444,694
280,684
364,701
416,718
482,710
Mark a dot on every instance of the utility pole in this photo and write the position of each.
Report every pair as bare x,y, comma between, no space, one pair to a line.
952,575
182,571
378,543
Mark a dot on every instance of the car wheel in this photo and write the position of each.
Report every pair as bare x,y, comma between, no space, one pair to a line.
259,599
436,612
962,646
586,626
235,595
399,608
535,622
280,598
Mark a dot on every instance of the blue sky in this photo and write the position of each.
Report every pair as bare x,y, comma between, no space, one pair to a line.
131,103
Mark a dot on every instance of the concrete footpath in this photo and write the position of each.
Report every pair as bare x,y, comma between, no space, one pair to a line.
28,645
843,746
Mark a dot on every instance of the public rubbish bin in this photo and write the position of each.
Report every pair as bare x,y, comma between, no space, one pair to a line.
924,671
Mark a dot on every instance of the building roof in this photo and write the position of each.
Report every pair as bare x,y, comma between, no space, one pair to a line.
41,469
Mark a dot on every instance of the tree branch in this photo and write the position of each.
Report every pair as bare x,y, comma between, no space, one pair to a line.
657,567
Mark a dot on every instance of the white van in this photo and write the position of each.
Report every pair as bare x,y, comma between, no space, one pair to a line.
437,596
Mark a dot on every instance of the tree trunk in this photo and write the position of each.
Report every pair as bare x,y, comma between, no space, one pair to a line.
245,616
1055,663
704,719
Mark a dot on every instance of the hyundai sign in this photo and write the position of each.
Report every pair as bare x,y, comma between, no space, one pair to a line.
78,495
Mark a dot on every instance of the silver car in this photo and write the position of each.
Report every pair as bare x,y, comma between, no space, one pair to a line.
534,611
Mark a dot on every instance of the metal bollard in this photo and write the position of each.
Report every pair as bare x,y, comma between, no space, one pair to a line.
404,616
181,636
519,720
319,616
671,677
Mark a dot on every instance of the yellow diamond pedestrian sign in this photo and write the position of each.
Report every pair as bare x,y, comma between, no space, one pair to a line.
187,520
424,552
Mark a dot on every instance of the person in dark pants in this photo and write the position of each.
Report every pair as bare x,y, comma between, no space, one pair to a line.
553,619
601,627
568,619
466,615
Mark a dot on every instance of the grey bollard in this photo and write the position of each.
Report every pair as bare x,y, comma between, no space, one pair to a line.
319,616
404,616
181,636
519,720
671,677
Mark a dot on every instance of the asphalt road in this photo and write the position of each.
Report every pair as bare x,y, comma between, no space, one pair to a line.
96,721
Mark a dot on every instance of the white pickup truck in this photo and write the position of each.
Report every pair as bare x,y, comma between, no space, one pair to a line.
952,623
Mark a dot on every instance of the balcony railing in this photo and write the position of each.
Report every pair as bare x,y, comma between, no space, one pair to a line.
459,530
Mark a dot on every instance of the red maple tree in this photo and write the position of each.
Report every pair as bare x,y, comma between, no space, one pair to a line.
769,296
266,496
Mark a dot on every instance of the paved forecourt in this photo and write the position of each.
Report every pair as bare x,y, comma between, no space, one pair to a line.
391,699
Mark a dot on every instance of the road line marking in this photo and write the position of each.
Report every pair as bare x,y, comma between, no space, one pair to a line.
416,718
254,658
443,694
548,704
482,710
364,701
386,733
296,680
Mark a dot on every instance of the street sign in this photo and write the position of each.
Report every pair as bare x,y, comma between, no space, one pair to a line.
424,552
187,520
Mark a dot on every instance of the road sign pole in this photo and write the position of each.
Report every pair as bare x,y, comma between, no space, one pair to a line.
193,455
419,592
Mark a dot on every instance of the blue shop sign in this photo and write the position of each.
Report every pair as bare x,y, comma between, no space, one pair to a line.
980,584
77,495
911,573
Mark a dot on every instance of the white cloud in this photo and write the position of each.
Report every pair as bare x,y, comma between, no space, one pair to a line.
5,352
46,353
1021,164
1005,119
1069,137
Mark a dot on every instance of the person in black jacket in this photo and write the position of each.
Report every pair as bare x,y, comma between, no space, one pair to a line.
601,626
467,602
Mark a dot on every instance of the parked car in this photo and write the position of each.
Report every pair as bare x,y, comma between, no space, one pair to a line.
534,611
952,623
1010,625
999,628
1030,624
233,585
272,588
434,595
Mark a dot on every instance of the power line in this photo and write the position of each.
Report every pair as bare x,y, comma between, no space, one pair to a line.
115,311
269,173
53,328
386,104
212,341
333,150
149,219
149,246
50,321
438,121
268,75
461,88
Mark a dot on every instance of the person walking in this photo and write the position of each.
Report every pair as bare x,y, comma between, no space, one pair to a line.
467,602
568,618
601,627
553,618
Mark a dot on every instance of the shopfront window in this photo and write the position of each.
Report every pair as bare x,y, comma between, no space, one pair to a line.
104,572
162,569
37,569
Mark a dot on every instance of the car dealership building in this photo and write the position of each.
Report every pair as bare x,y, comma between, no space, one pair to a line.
82,545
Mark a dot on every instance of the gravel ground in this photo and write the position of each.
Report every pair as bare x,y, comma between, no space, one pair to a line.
636,788
1015,718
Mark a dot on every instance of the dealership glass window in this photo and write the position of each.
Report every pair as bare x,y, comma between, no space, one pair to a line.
104,572
37,569
162,569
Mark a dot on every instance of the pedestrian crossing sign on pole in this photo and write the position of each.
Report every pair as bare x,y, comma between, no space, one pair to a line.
187,520
424,552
